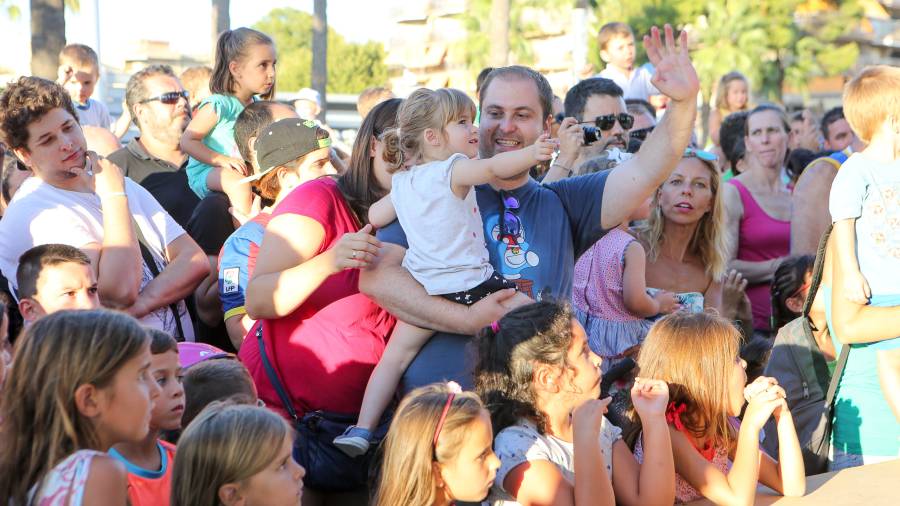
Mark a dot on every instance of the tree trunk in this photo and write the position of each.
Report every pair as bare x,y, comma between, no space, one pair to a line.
48,36
499,33
221,21
320,52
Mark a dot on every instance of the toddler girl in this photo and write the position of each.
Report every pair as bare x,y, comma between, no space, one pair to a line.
244,68
435,203
732,95
610,296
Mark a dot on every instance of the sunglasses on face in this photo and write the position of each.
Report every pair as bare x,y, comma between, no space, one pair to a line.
641,134
168,98
609,121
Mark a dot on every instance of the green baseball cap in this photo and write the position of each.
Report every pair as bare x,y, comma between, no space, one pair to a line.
285,141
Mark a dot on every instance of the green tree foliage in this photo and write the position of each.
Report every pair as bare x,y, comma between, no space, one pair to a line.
475,49
765,39
351,67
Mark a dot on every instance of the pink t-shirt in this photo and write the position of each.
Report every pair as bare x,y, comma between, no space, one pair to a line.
326,349
760,238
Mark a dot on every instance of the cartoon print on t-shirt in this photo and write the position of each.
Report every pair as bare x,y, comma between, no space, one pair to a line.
512,249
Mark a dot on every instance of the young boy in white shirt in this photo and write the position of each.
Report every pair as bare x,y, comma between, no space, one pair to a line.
616,43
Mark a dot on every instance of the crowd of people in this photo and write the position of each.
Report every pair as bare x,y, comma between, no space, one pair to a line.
479,299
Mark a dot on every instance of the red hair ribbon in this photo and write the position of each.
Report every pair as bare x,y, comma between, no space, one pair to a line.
673,417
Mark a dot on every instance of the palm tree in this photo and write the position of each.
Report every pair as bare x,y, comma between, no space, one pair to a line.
48,35
499,38
221,20
320,52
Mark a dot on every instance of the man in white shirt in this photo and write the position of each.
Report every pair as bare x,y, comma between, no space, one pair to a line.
79,199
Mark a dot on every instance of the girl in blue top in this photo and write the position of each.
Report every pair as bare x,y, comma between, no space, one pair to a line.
244,68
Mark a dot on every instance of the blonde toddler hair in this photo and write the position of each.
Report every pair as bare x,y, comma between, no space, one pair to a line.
871,98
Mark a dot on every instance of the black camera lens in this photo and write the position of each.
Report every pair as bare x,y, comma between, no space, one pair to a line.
590,135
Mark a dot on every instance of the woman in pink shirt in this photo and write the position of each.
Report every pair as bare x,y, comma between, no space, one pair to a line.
759,210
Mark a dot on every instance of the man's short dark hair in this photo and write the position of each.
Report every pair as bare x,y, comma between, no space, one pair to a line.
33,262
482,77
833,114
249,123
731,137
370,97
215,380
136,91
25,101
545,92
579,94
639,106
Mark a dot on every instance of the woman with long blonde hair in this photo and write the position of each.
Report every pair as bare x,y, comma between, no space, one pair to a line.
236,454
684,236
438,450
716,457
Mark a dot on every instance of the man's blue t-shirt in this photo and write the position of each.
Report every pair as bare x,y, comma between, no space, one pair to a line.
534,234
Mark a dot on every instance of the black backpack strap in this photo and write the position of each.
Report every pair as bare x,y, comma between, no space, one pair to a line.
818,267
273,375
154,269
836,377
818,360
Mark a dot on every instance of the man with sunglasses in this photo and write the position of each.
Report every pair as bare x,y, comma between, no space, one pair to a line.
160,109
534,232
597,104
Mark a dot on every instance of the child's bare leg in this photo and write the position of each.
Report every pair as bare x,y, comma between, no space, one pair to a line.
889,376
228,181
404,344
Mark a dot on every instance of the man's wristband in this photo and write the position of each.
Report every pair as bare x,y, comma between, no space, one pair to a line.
113,194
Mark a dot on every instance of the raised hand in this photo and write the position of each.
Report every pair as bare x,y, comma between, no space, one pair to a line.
675,75
649,397
544,148
587,419
354,250
108,177
764,397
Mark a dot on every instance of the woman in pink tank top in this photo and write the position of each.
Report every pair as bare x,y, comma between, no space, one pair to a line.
760,237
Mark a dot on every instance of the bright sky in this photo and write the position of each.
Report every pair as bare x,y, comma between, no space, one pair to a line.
184,23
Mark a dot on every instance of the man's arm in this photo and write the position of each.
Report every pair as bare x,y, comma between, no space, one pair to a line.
631,183
390,285
118,258
809,215
187,266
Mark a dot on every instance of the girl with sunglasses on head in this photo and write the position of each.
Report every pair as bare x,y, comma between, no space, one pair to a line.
438,450
434,152
244,69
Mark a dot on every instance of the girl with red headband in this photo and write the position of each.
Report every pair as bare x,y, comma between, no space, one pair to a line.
438,449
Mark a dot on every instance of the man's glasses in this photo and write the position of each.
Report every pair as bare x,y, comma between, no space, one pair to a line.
168,98
641,134
609,121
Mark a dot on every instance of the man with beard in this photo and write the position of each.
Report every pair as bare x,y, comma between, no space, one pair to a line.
534,232
597,103
160,109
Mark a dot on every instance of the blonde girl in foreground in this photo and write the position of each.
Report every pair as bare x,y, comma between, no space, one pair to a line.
79,384
236,455
716,456
438,450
